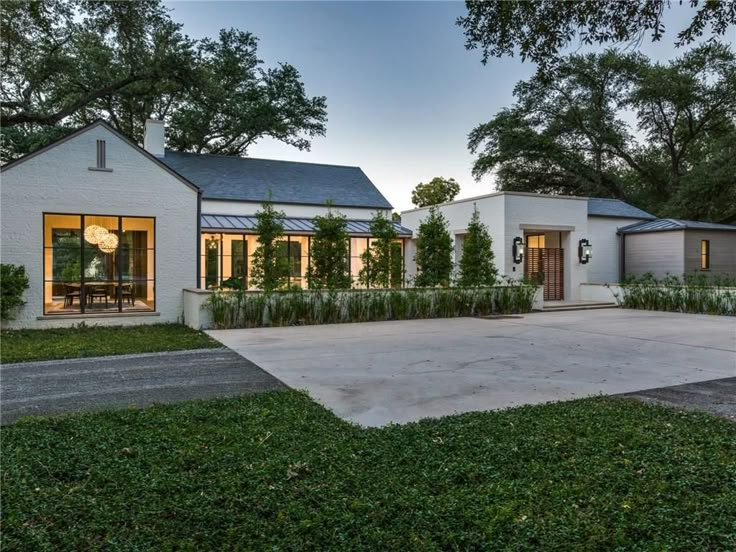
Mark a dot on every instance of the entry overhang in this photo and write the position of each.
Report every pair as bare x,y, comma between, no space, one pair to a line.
550,227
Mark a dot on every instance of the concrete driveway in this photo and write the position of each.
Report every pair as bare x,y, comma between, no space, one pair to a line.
381,372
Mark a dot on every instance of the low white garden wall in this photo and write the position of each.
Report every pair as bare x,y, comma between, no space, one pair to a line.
198,313
604,293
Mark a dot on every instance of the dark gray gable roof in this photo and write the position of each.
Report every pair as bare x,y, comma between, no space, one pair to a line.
664,225
601,207
238,223
249,179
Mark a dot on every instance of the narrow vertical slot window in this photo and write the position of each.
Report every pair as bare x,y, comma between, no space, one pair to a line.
101,162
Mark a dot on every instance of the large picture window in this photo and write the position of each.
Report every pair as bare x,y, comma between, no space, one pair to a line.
98,264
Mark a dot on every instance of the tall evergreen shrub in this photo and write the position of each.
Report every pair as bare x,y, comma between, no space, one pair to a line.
477,266
434,251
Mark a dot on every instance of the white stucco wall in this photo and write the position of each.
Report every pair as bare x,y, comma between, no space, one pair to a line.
525,212
458,213
604,268
512,214
219,207
59,181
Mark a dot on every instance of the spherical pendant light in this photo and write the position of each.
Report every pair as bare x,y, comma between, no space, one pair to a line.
109,243
95,234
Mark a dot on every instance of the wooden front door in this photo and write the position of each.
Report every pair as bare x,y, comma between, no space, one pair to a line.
544,266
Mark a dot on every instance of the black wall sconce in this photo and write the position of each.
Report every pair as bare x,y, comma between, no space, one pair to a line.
518,250
585,251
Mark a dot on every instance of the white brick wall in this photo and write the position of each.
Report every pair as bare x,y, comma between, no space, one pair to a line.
59,180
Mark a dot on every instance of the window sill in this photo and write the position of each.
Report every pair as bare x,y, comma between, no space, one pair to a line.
98,315
99,169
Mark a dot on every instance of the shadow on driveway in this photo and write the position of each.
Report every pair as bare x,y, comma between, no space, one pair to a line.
715,396
86,384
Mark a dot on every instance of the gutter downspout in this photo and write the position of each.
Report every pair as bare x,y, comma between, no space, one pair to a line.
199,239
622,264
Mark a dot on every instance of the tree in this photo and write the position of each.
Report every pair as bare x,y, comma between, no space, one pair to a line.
436,191
434,251
269,269
330,246
476,265
540,30
569,134
68,62
381,258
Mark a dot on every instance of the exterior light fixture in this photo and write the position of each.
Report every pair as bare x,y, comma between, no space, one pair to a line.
518,250
585,251
95,234
109,243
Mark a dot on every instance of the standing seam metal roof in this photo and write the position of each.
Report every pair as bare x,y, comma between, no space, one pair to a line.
664,225
291,225
249,179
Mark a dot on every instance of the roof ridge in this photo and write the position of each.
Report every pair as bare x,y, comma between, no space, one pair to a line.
263,159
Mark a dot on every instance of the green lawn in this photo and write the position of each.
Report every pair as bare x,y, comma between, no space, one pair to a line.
89,341
276,471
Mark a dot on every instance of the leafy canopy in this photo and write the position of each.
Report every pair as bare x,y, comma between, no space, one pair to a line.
66,63
434,251
477,266
540,30
436,191
270,268
573,134
329,250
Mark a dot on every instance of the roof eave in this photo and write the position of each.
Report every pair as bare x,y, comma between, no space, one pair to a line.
387,207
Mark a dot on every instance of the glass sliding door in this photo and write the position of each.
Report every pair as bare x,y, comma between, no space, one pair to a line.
98,264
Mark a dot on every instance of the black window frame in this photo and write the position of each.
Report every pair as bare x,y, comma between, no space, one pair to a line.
119,275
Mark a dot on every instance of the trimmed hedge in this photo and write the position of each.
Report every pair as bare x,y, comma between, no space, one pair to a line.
238,309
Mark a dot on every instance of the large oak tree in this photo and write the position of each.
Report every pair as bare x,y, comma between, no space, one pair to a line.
540,30
65,63
617,125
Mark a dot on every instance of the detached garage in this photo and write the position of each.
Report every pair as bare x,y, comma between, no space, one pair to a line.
676,247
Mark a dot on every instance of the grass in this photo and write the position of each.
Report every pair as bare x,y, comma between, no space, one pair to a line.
277,471
241,309
695,293
89,341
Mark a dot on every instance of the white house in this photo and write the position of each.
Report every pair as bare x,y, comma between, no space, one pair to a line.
539,236
112,233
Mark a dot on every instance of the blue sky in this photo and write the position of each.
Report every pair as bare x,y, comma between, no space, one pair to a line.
402,91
